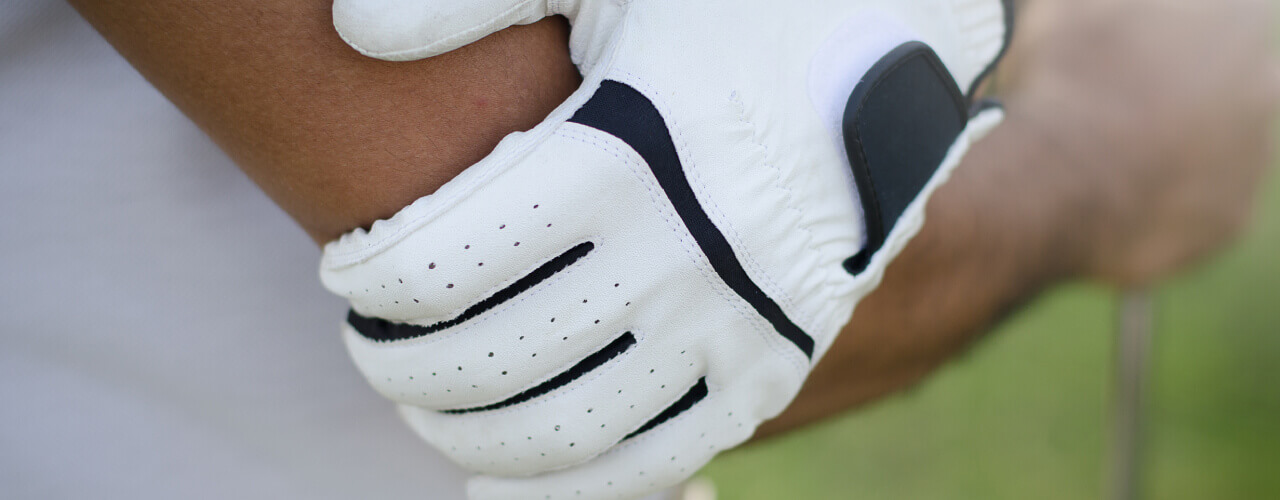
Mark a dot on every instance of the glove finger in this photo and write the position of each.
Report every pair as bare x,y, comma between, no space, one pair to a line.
401,30
578,415
534,336
657,459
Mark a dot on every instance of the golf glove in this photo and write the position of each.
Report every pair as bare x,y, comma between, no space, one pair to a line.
608,300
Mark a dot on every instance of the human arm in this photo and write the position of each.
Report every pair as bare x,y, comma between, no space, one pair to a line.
336,139
987,247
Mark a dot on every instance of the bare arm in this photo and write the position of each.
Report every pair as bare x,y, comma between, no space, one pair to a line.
337,139
1072,185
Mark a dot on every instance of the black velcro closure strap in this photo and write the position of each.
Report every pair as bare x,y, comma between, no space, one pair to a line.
899,125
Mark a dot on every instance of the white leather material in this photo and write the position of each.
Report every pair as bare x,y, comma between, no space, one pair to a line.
748,92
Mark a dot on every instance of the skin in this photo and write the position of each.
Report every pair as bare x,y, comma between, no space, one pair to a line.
1119,160
338,140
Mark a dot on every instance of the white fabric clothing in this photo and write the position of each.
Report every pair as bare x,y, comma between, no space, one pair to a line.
162,330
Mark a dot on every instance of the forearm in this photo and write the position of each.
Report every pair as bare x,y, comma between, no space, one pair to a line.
997,233
337,139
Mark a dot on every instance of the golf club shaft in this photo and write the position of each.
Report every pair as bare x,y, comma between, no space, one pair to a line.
1133,353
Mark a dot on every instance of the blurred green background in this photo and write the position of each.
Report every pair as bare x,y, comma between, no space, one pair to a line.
1025,414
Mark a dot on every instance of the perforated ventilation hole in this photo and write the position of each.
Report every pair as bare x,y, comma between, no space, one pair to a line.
383,330
586,365
690,398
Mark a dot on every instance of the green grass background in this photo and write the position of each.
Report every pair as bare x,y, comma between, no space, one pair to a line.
1024,414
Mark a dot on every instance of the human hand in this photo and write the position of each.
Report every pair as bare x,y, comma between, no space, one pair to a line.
1180,95
610,299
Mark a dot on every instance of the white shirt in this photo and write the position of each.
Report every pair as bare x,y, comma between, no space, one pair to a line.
163,332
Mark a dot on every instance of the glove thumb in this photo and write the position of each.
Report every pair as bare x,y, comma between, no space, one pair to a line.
402,30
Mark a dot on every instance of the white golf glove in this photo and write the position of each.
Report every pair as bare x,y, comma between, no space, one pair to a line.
608,300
